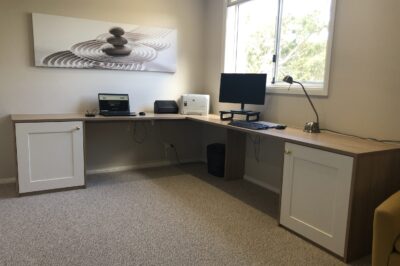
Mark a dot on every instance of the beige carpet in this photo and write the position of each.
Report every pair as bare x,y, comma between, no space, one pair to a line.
164,216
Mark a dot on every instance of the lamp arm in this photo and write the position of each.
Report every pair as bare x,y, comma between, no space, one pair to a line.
309,99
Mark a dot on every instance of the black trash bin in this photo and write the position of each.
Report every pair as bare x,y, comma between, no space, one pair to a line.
216,159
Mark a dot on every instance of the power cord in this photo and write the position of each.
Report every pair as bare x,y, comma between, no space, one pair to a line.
256,141
373,139
176,154
134,136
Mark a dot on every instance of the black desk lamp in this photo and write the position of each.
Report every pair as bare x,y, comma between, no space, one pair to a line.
310,127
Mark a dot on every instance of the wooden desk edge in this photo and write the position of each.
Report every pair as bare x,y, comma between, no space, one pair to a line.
37,118
334,142
375,147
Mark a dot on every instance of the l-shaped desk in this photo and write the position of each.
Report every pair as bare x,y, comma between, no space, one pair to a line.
331,183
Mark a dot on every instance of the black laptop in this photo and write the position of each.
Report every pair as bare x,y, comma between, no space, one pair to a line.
114,104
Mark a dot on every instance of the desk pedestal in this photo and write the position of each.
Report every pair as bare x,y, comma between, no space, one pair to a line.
235,154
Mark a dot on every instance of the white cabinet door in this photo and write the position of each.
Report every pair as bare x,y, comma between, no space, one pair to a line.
315,195
50,155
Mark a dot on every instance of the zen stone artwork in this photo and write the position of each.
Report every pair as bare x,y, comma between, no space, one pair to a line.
65,42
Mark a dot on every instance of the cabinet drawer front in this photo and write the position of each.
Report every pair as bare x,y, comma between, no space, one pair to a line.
315,195
50,155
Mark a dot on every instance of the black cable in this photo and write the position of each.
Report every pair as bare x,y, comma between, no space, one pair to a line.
139,141
366,138
176,154
256,146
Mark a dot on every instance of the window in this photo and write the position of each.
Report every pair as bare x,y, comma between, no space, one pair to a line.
280,37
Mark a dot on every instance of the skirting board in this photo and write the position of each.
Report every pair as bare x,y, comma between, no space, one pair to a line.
8,180
262,184
138,166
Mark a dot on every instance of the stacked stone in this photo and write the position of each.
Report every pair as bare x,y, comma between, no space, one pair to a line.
118,43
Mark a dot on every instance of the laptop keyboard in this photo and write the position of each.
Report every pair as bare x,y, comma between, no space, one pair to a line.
115,113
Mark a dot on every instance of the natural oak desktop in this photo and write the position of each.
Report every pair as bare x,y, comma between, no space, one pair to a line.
324,140
331,183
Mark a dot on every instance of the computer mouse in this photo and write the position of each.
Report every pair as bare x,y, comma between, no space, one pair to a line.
280,127
142,113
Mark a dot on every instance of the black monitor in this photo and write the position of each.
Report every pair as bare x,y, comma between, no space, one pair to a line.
243,89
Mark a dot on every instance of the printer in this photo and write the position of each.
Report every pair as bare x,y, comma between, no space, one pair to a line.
195,104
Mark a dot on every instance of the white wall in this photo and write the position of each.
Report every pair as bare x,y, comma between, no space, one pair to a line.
28,89
364,88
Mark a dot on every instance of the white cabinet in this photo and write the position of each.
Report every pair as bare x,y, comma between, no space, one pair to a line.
315,195
50,155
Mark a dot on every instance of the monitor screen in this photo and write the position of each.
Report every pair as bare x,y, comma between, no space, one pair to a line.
243,88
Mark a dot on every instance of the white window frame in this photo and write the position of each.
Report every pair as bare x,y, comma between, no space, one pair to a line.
280,87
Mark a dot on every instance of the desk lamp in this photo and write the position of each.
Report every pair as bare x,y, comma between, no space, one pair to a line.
310,127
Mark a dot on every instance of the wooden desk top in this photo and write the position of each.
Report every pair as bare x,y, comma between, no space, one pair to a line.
26,118
327,141
342,144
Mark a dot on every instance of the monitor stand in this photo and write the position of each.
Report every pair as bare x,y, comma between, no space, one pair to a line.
250,115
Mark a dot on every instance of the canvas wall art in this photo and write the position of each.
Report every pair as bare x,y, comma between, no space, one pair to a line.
81,43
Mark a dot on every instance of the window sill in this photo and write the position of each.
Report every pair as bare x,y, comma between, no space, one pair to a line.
312,90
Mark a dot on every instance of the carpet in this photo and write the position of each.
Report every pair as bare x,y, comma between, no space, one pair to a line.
161,216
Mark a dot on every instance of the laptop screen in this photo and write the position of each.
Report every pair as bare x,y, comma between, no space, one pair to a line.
113,102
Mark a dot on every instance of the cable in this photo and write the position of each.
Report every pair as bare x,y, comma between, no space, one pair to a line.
134,136
367,138
176,154
256,146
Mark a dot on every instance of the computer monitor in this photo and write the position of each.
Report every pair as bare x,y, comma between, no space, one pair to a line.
243,89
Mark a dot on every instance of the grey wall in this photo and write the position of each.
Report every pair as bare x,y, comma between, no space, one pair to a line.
28,89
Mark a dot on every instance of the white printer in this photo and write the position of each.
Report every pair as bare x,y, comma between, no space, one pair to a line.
195,104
